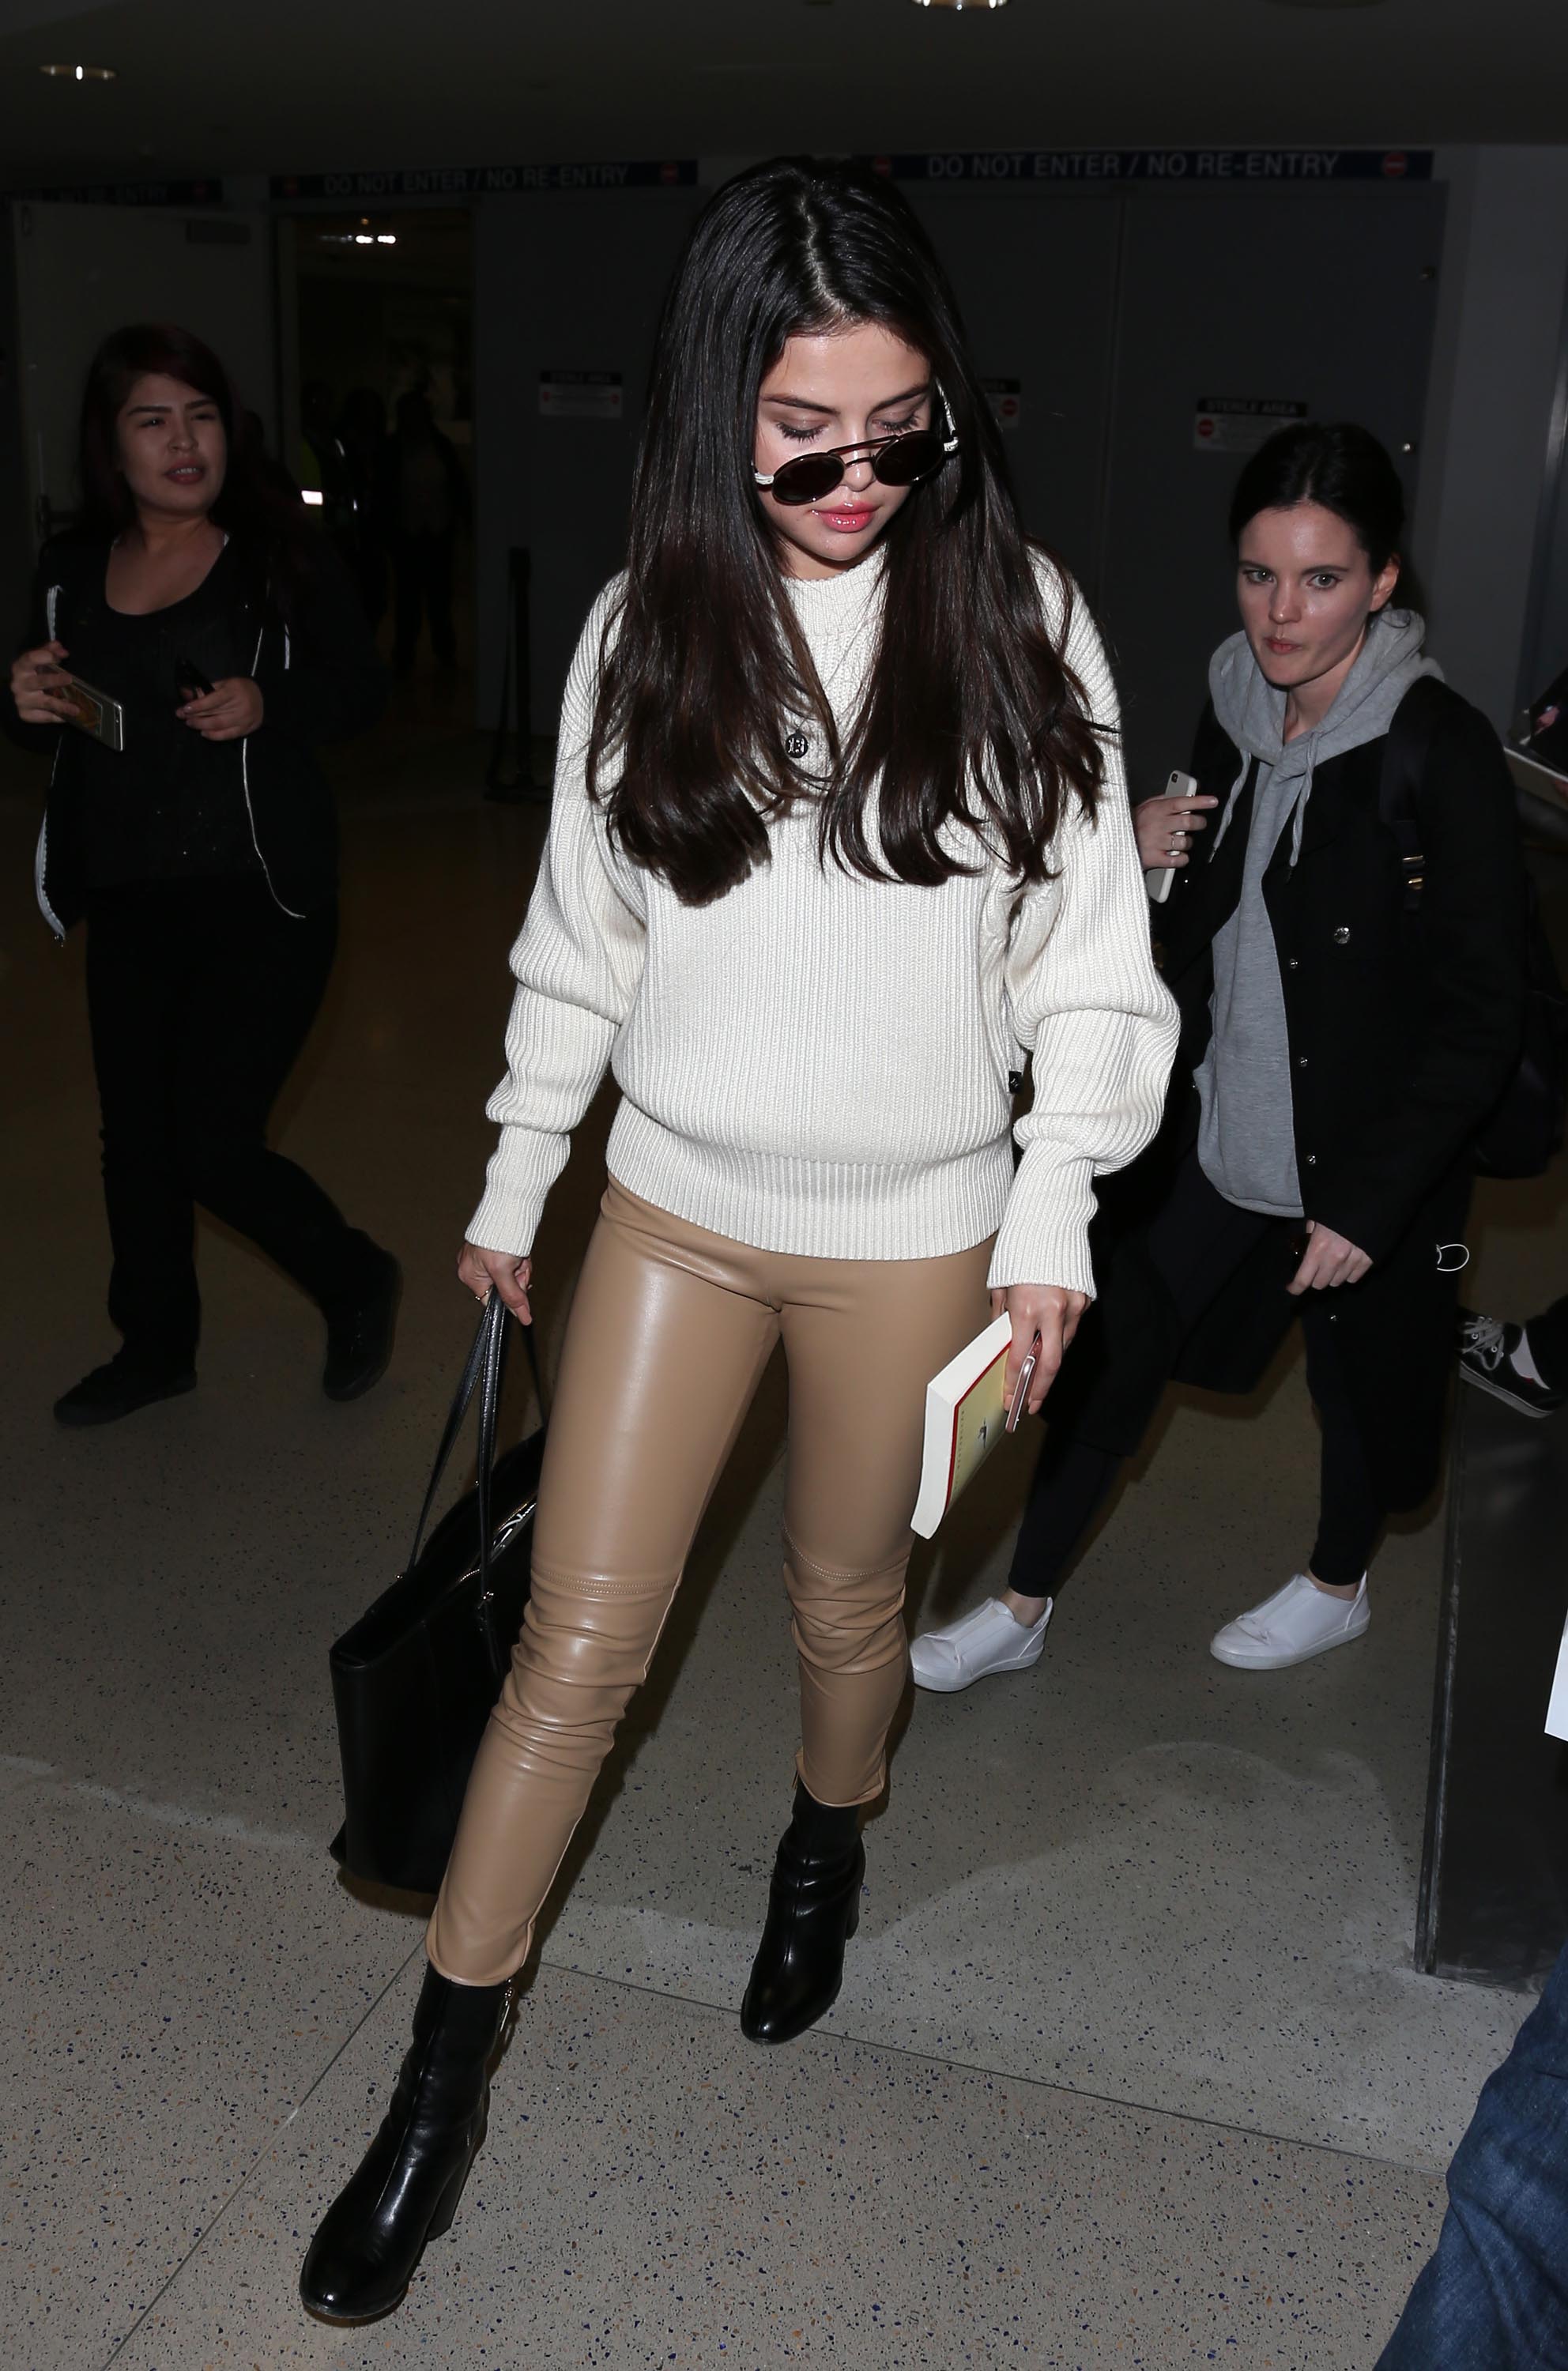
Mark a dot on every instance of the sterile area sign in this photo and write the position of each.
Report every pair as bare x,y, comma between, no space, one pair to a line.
1239,423
581,395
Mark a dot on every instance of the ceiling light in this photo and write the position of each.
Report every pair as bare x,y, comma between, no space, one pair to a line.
80,74
961,4
386,239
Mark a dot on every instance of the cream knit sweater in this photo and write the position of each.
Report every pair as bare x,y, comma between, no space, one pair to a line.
818,1063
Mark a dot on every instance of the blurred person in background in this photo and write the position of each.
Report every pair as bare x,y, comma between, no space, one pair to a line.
203,854
427,503
322,462
1349,1020
361,437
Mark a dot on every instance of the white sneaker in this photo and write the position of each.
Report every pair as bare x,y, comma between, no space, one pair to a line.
1298,1621
987,1640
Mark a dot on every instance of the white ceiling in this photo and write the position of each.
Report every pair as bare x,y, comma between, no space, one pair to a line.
282,86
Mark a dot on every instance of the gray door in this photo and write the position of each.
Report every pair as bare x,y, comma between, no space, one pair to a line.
1036,278
1325,296
563,283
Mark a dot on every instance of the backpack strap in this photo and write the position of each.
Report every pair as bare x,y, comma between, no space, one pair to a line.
1405,753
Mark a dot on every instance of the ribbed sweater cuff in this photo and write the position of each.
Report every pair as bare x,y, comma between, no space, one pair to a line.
1045,1233
520,1175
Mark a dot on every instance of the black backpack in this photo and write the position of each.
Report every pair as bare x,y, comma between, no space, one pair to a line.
1523,1132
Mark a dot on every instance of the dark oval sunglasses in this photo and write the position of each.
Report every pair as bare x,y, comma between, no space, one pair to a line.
899,460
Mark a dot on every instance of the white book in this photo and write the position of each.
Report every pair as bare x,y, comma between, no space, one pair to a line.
966,1414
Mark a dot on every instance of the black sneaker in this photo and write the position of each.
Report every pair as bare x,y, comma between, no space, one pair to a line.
121,1388
1486,1359
359,1333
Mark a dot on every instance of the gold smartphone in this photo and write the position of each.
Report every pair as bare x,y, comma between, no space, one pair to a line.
94,711
1021,1393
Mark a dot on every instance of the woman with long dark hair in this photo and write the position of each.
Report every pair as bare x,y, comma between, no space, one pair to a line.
1344,946
839,825
201,853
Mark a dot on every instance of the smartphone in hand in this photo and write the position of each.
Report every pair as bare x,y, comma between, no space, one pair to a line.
96,714
1158,878
1021,1393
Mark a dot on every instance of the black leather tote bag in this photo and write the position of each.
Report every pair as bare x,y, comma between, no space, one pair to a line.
413,1681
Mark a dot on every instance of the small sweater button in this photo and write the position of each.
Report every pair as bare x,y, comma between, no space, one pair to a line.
1342,936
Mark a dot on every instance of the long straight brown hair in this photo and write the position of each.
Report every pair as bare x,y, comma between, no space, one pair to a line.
971,718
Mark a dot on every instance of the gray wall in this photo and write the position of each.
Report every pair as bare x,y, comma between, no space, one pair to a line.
561,282
1495,378
1115,310
1112,309
1119,309
85,270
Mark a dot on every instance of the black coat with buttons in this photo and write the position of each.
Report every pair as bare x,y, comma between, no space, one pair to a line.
1404,1012
1405,1016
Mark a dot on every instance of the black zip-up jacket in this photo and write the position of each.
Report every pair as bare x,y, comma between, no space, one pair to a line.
320,678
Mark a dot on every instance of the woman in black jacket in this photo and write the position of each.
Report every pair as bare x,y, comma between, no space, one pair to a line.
1344,946
201,853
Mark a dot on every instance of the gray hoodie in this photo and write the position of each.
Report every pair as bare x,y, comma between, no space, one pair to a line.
1246,1137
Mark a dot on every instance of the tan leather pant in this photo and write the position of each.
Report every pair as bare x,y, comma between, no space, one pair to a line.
669,1334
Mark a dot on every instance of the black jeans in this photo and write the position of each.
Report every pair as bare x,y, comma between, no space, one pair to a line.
1195,1243
1548,1345
200,996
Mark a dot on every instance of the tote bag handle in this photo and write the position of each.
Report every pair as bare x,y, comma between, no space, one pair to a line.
484,1369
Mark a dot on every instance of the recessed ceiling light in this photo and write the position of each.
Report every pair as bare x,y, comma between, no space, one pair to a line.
81,73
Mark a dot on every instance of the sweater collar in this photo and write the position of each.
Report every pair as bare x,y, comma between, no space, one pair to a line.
841,600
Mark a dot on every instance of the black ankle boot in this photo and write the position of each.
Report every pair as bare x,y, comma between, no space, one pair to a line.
407,2188
813,1907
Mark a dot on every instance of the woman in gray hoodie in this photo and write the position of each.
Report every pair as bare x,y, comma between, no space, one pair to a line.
1344,946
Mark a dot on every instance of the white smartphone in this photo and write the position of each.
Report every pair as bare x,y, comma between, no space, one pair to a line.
1158,878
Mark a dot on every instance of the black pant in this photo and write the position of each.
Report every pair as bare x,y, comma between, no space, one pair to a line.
1548,1345
424,568
200,995
1194,1243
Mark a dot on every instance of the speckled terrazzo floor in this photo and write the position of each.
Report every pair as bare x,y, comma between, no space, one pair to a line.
1130,2067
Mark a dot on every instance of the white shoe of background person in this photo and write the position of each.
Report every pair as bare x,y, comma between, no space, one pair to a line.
1298,1621
990,1640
